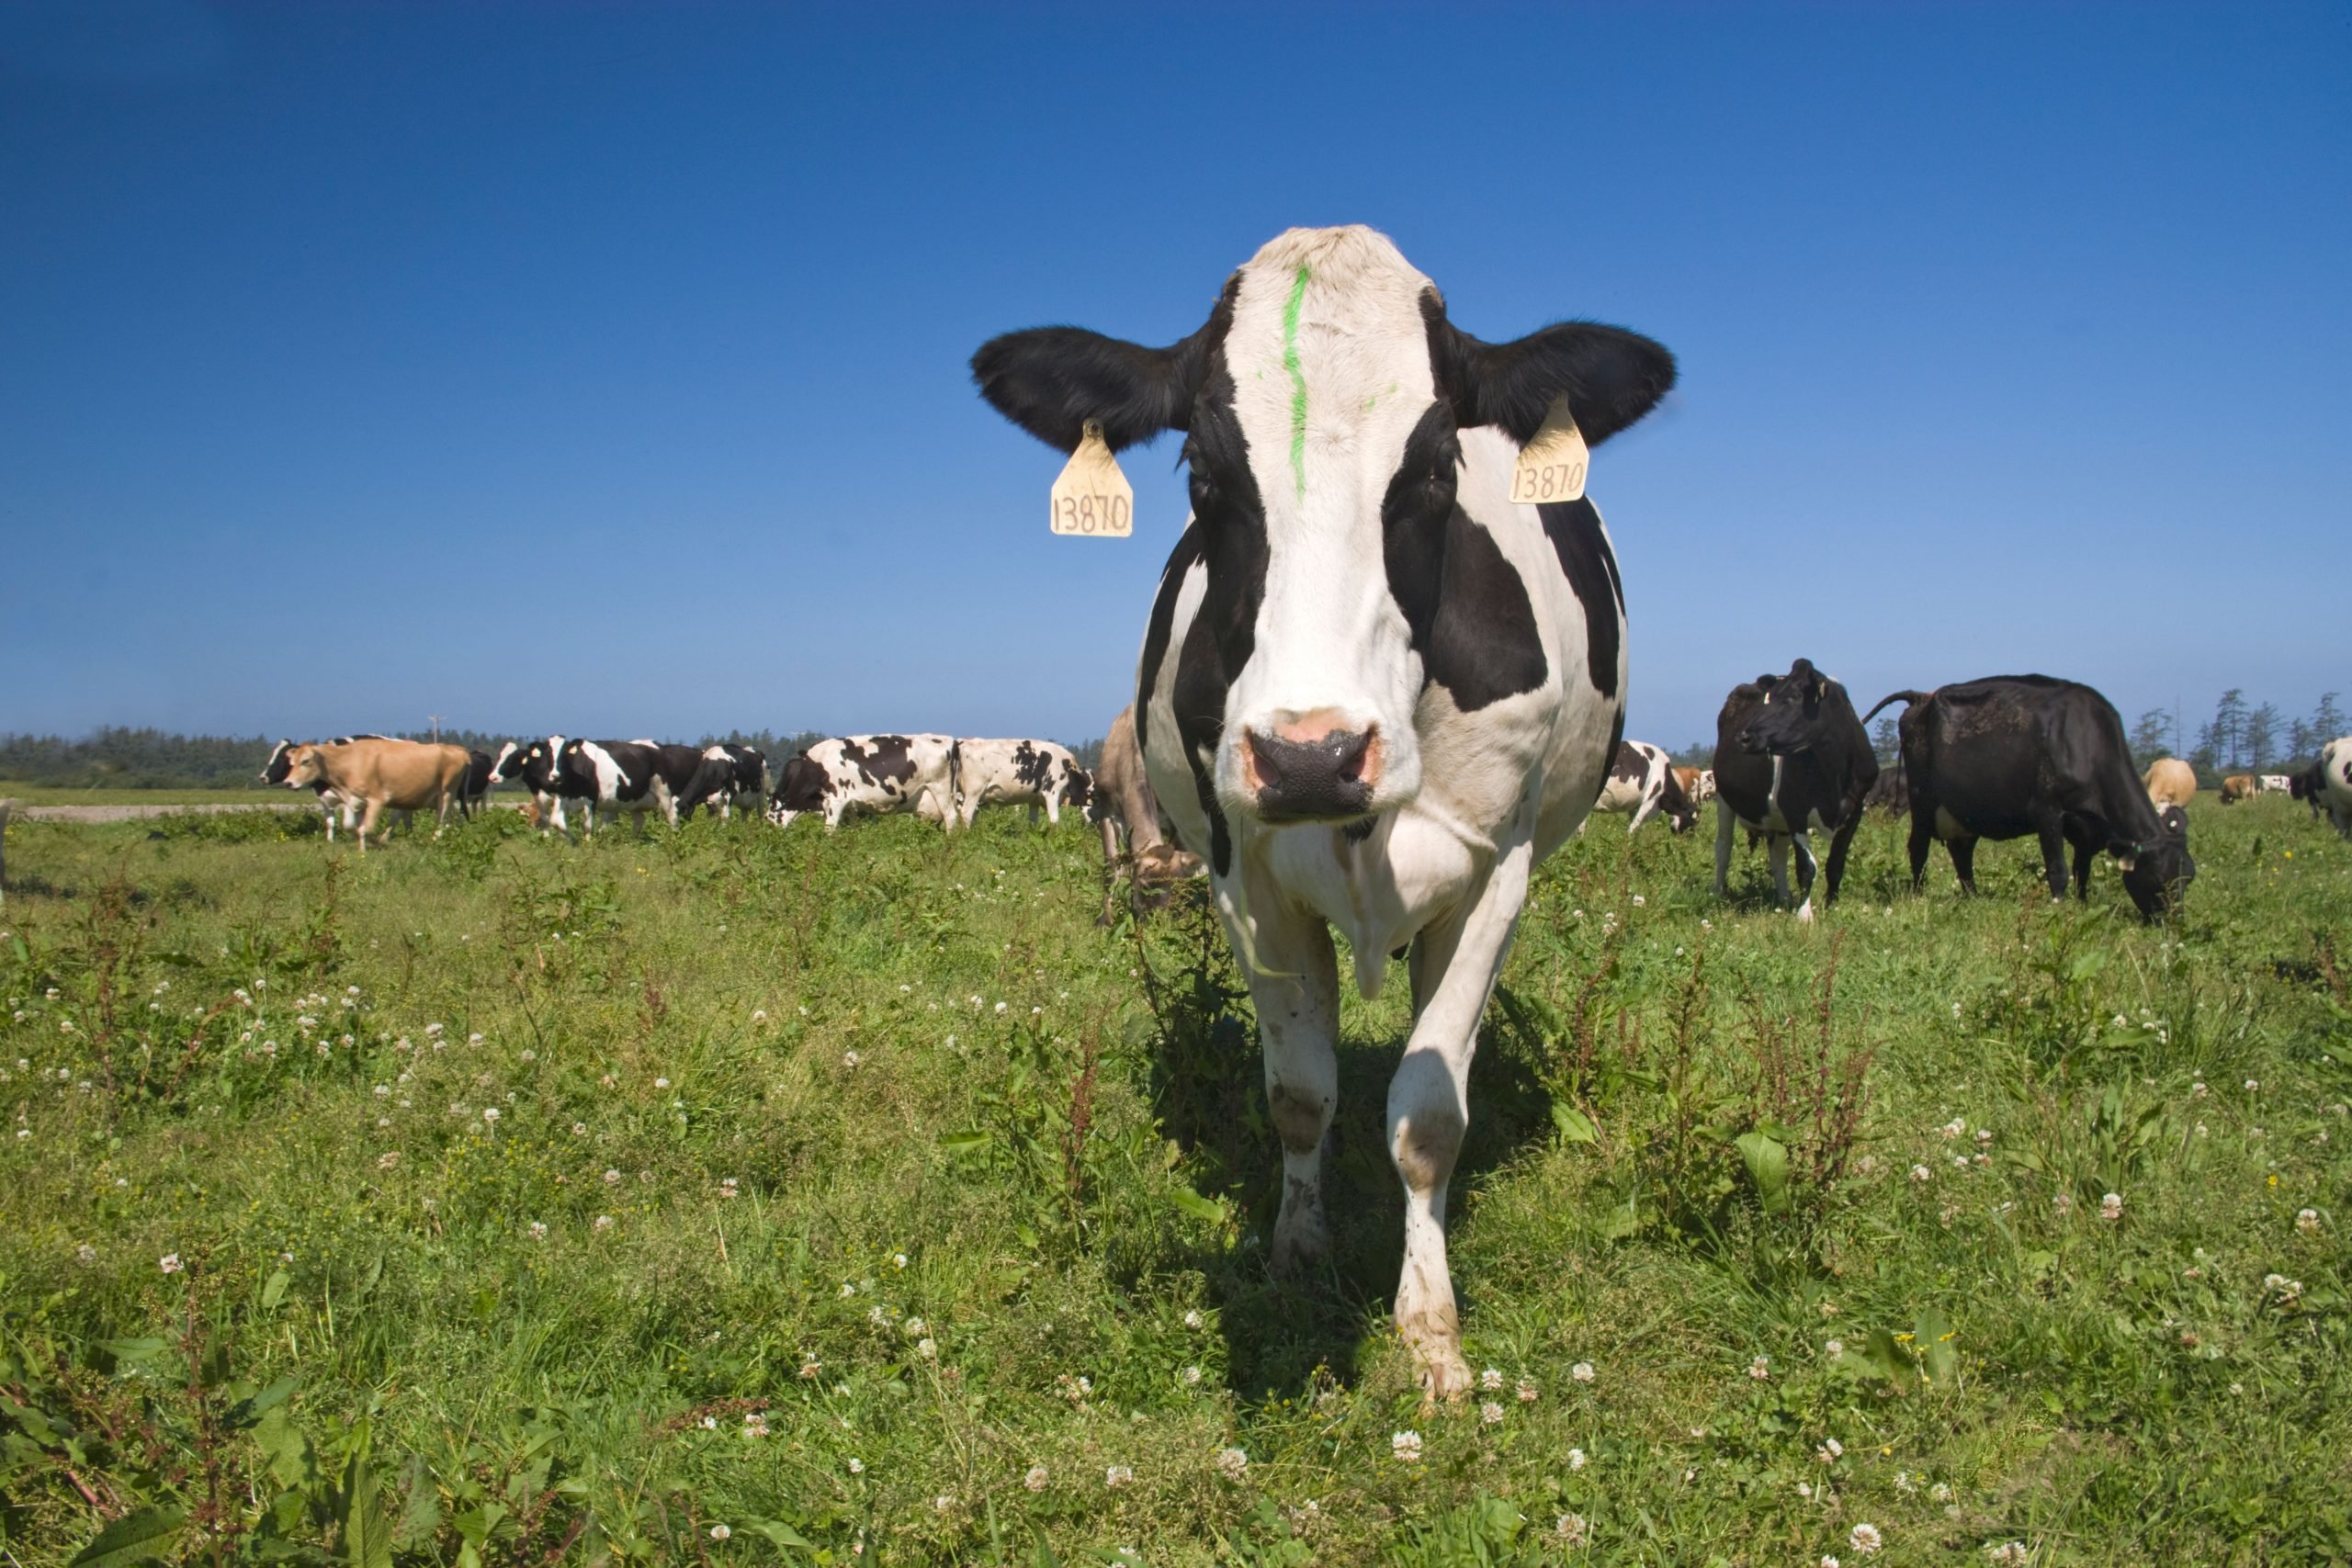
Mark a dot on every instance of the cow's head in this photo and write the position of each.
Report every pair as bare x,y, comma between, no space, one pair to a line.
802,788
2156,873
1077,787
1321,402
518,760
306,765
274,771
1680,808
1794,713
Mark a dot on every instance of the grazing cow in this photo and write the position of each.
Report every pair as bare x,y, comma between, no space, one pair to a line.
1125,805
1641,783
1791,758
876,773
676,766
1698,784
1019,773
1374,688
2335,769
2018,755
2310,788
400,776
2237,787
2273,784
728,775
1892,794
2170,782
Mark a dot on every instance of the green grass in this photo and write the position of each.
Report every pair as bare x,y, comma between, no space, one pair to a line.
943,1093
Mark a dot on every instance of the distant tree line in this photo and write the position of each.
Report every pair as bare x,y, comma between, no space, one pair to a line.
124,758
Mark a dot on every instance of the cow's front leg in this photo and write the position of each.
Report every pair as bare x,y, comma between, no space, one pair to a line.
1776,849
1456,962
1839,842
2053,854
1723,848
1298,1020
1802,843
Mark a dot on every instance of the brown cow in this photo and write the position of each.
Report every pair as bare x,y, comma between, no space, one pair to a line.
2237,787
1124,800
398,775
2170,782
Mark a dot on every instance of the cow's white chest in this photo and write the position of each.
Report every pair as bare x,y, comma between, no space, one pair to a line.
1378,892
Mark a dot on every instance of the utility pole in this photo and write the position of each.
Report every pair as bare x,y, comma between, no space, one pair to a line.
436,719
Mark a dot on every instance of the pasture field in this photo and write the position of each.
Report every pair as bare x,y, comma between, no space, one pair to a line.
56,795
737,1196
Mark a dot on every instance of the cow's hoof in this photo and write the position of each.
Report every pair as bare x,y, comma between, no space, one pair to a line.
1804,913
1444,1375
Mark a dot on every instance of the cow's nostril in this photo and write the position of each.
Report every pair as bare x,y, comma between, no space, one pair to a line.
1306,780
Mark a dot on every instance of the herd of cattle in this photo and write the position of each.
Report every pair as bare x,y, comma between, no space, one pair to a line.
1382,676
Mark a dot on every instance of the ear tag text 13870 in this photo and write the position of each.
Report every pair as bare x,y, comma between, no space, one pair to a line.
1092,498
1550,467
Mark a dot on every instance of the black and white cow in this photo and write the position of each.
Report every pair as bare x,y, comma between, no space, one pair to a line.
2309,786
1374,691
728,775
618,773
2028,754
1035,773
1642,783
1791,760
676,767
882,775
2335,789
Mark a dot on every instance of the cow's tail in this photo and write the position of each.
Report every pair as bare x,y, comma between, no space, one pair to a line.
1905,698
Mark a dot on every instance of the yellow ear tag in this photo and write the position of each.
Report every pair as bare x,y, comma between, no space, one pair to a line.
1551,465
1092,499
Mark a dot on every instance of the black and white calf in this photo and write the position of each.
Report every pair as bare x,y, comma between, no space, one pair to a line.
878,773
1791,760
1374,691
1642,783
729,777
2019,755
1035,773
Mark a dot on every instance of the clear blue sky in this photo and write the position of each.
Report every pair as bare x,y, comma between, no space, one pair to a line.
602,368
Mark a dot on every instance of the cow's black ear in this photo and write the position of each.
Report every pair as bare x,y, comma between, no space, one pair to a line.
1051,380
1610,376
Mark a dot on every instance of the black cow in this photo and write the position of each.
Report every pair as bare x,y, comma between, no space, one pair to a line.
1892,794
2311,785
2018,755
1790,757
728,774
475,791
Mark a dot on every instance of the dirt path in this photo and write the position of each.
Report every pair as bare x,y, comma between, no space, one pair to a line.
133,812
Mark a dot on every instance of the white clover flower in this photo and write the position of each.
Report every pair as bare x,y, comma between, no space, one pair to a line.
1581,1371
755,1423
489,1114
2063,1203
1570,1529
878,1317
579,1129
1118,1476
1406,1446
850,1058
1835,1347
1830,1451
1490,1413
1829,1561
2111,1207
927,1348
2253,1086
1577,1459
1953,1128
916,1328
170,1263
728,1188
1919,1173
1036,1478
1864,1539
2307,1220
1490,1380
2009,1554
538,1230
604,1222
1192,1375
809,1366
944,1502
856,1465
721,1532
388,1160
1760,1369
1940,1492
85,1254
1526,1390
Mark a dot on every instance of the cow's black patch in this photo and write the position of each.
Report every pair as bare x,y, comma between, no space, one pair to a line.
1157,631
1629,765
802,785
1616,744
888,763
1586,560
1034,768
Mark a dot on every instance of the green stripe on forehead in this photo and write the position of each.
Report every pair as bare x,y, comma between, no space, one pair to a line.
1297,381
